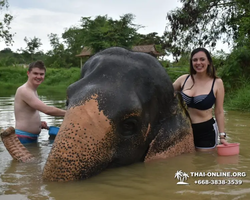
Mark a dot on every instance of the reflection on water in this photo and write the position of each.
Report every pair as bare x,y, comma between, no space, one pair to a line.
139,181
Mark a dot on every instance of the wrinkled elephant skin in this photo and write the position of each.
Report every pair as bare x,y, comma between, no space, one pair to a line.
122,110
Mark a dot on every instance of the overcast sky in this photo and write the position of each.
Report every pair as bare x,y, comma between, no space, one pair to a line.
41,17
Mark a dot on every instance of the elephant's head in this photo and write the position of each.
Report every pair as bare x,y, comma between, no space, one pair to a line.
122,110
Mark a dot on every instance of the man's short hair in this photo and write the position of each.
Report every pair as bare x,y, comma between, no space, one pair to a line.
37,64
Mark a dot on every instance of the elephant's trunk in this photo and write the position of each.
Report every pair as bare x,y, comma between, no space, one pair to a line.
83,145
14,146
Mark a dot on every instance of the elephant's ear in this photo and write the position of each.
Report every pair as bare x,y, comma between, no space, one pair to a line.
175,136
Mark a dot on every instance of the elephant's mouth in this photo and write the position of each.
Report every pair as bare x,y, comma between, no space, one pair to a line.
79,165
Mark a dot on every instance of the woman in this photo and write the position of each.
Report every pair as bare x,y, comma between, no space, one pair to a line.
201,89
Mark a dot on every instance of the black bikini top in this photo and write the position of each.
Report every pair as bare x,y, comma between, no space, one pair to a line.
200,102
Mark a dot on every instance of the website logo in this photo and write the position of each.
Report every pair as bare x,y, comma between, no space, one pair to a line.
182,177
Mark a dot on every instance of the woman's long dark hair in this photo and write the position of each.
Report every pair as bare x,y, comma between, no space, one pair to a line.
210,68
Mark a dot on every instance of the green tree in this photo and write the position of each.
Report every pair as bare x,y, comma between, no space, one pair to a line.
57,57
73,40
204,22
33,44
5,21
31,51
236,70
98,34
6,51
104,32
152,38
6,57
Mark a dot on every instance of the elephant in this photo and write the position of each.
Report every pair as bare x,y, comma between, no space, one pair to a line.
122,110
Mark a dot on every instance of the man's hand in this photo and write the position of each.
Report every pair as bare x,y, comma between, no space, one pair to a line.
44,125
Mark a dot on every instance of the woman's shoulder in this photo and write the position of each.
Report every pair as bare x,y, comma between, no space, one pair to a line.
179,82
218,83
218,80
183,77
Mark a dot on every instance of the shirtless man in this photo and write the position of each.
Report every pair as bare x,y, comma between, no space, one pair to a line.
27,105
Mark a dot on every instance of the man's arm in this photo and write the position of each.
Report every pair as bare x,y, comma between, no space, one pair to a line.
29,97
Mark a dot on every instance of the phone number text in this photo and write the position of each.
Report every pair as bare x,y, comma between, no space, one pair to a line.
218,182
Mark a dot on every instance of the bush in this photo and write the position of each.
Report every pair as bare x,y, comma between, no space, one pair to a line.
236,68
239,99
175,72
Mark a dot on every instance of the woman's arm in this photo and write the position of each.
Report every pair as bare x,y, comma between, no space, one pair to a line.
219,111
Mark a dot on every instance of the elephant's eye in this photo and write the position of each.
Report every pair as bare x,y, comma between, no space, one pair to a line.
129,127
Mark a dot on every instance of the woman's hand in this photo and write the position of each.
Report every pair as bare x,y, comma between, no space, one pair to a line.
223,141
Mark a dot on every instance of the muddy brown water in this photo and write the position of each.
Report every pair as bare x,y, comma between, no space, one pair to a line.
151,181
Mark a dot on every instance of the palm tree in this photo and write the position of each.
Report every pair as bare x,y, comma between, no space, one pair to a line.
178,174
185,176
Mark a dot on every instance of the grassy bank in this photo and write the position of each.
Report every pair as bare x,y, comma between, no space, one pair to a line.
57,81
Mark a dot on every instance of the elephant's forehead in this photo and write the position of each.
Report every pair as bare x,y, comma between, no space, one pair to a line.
87,118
